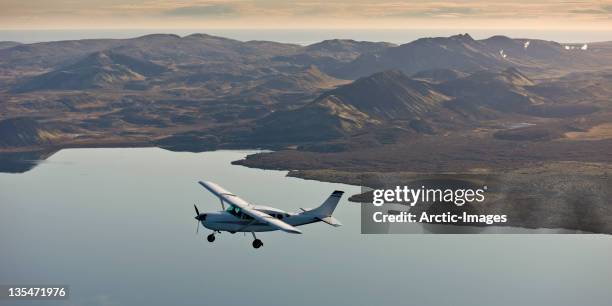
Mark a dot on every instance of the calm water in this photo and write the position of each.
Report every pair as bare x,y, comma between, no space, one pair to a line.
117,226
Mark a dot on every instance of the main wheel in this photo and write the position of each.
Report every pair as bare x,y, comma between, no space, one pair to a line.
211,238
257,243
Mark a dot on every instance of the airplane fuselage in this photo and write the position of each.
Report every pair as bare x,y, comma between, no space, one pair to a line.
226,221
242,216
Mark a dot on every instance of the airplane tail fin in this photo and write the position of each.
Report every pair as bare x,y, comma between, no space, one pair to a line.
327,208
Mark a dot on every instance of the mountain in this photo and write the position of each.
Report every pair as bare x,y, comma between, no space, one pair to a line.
50,54
341,58
371,101
191,49
345,49
439,75
523,49
389,95
459,52
272,47
503,91
260,92
98,70
309,79
463,53
168,48
393,101
8,44
287,89
25,131
331,55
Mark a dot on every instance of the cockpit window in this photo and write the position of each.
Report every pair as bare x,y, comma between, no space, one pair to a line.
233,210
236,211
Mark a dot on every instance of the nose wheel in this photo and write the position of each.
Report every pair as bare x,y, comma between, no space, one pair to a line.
211,237
256,243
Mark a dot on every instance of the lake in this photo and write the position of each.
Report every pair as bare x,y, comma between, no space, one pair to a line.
117,226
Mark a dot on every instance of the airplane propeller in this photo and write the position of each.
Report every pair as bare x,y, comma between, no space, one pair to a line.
199,217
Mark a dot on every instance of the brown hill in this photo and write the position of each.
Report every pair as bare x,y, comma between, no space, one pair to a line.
368,102
459,52
393,101
168,48
97,70
25,131
439,75
345,49
310,79
388,95
500,91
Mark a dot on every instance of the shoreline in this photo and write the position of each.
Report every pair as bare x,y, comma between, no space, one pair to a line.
551,208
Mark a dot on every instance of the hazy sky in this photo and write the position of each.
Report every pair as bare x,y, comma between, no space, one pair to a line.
101,14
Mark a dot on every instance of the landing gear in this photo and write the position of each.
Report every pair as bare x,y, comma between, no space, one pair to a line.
256,243
211,237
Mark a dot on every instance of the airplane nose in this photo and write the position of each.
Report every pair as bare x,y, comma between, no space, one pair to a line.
201,217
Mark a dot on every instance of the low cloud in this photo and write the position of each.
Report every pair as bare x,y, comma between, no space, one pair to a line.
602,10
213,10
305,13
459,11
588,11
438,12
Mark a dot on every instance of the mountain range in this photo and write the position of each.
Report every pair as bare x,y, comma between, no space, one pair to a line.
339,95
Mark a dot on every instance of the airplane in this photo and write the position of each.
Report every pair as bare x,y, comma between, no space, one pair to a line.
242,216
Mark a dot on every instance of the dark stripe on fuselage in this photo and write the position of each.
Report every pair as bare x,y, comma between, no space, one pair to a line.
245,222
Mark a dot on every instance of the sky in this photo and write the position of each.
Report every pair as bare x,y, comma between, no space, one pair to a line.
289,14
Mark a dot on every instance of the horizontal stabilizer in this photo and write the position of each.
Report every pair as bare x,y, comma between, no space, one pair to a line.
331,221
323,213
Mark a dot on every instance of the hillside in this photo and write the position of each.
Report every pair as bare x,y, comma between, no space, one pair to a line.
389,95
167,48
439,75
371,101
24,131
8,44
200,92
459,52
392,99
98,70
345,49
309,79
504,91
464,54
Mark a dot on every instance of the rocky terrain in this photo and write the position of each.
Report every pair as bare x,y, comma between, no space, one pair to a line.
338,110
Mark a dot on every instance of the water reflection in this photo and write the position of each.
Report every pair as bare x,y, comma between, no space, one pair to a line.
117,226
19,162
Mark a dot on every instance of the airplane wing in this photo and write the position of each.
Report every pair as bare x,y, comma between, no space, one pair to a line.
247,208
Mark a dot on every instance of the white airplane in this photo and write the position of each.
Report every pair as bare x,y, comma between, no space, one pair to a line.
242,216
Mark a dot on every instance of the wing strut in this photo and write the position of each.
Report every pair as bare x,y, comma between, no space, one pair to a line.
222,205
247,208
